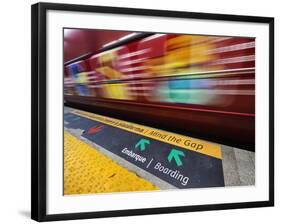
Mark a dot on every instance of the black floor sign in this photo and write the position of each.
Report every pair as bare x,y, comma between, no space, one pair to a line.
178,166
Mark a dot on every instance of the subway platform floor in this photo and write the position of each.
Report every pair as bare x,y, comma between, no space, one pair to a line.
104,155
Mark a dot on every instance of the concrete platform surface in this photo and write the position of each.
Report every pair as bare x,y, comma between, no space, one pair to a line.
157,159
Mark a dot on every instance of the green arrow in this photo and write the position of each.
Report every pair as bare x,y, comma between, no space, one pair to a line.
175,154
142,143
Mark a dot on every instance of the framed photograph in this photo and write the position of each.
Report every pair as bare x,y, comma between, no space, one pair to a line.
141,111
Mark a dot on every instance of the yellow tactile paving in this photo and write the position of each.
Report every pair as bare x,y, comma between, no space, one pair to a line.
86,171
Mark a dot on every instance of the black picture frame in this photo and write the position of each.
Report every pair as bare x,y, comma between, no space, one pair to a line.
39,122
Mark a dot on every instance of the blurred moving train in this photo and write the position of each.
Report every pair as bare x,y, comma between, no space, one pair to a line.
201,86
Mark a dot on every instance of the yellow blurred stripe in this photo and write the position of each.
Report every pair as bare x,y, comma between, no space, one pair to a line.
116,91
86,171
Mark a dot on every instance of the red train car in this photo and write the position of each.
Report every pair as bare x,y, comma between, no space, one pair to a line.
202,86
